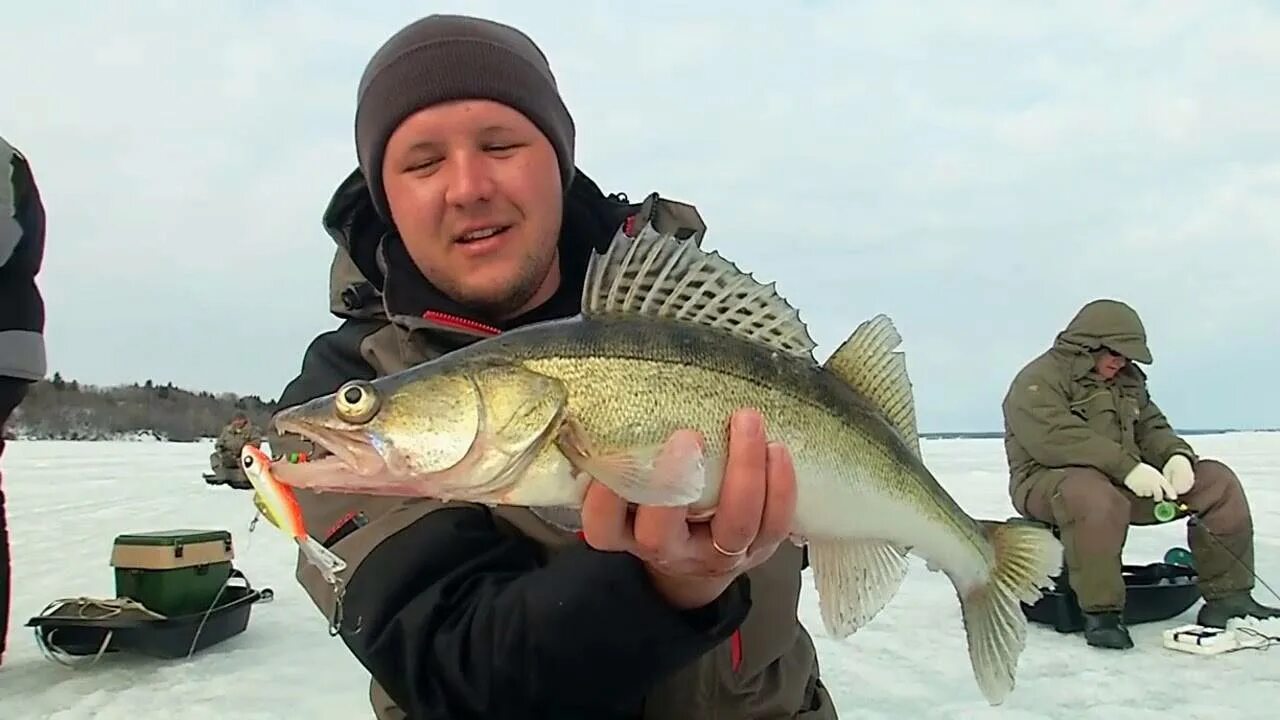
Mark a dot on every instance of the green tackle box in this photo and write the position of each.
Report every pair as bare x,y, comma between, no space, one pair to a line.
173,572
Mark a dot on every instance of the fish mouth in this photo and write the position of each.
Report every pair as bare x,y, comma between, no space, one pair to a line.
351,459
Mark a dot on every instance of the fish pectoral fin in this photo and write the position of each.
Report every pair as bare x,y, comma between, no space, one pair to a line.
855,580
670,474
1026,558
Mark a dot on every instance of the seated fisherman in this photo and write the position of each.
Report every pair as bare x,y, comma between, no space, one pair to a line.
1090,453
225,459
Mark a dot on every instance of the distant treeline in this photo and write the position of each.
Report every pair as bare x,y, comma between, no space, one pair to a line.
991,434
58,409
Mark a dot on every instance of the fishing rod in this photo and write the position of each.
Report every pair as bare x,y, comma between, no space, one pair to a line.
1167,510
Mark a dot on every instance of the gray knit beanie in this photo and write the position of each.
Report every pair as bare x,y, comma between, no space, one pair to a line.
454,57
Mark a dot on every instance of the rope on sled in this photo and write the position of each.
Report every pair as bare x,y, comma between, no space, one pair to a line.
107,608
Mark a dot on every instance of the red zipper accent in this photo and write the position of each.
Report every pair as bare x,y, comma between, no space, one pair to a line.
459,323
333,529
735,650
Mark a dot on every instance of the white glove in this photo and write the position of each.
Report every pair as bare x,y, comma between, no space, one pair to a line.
1146,481
1177,470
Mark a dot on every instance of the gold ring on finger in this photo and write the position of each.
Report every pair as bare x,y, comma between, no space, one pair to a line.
724,552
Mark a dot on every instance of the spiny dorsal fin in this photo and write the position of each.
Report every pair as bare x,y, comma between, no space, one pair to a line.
869,362
661,276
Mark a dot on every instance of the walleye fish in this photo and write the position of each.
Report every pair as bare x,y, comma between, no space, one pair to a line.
672,336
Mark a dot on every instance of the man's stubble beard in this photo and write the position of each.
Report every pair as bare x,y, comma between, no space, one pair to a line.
496,307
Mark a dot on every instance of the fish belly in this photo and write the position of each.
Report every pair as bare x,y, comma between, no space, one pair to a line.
857,506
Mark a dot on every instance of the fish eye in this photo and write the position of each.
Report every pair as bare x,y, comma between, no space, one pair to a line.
356,402
247,461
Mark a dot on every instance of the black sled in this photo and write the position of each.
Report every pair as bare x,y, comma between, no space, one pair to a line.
88,626
232,481
230,475
177,593
1153,592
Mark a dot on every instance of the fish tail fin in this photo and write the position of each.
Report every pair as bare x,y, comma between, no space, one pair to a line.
324,559
1026,558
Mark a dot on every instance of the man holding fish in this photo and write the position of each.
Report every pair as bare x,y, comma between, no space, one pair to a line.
466,151
543,362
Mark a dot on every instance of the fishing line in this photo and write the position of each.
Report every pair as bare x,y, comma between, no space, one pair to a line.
252,524
1267,640
1193,518
223,588
225,584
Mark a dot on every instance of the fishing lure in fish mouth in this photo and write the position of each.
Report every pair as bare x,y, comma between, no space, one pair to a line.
277,503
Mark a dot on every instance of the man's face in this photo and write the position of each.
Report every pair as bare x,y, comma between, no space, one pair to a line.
474,189
1109,364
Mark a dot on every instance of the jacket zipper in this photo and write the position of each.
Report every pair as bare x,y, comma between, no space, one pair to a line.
456,322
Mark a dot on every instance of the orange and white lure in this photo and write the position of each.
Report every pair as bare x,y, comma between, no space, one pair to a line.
278,505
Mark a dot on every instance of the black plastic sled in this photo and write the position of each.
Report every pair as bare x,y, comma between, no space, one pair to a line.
1153,592
233,481
86,626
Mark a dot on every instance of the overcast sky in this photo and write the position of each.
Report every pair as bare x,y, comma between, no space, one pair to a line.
977,170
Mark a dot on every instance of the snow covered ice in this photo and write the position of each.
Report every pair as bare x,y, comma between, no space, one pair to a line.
68,501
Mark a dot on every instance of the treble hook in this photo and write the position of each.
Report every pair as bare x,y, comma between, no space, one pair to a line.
335,624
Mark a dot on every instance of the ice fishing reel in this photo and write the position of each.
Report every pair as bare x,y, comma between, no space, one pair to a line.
1167,510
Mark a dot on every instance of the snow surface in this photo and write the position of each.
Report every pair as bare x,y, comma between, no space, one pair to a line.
68,500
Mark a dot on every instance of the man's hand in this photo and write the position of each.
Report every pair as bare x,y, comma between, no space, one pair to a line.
1146,481
1179,473
691,563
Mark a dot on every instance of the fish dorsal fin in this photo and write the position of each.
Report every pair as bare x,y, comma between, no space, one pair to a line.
871,364
661,276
